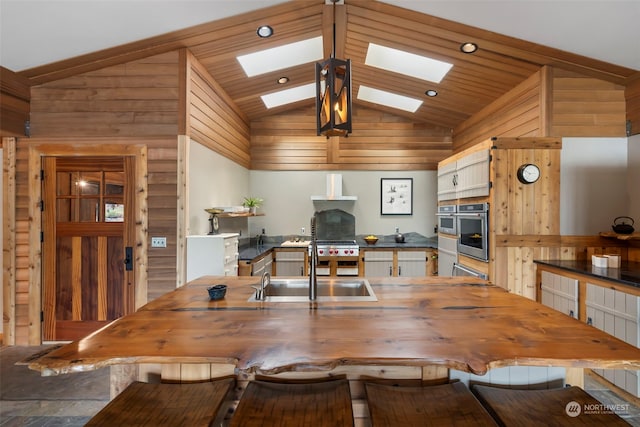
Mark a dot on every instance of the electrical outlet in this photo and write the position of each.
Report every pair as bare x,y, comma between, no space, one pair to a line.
158,242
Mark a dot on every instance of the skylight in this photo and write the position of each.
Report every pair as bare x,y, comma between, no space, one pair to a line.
288,96
277,58
409,64
389,99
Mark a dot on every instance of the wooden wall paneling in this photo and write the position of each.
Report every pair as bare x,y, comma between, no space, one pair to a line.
632,99
586,106
9,241
136,98
514,114
15,96
215,121
182,216
380,141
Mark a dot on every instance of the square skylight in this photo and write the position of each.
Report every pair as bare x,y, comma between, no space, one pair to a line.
406,63
277,58
288,96
389,99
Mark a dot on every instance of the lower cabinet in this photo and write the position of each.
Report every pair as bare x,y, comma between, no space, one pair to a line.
560,293
615,313
398,263
378,263
604,305
212,255
290,262
264,264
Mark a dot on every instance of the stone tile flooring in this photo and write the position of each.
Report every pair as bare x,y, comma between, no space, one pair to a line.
27,399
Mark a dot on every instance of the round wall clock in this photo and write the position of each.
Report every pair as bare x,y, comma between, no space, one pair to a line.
528,173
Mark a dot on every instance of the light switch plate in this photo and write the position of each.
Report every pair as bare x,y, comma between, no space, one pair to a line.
158,242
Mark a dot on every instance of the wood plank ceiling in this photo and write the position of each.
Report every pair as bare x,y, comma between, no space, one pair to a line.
475,80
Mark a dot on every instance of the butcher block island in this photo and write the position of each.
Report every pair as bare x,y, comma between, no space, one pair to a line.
458,323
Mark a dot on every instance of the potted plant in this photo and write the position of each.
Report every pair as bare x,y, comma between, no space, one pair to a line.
253,203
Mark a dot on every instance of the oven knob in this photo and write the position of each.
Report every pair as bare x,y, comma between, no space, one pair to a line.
330,251
320,251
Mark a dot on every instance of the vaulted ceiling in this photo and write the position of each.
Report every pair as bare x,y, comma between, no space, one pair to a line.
475,80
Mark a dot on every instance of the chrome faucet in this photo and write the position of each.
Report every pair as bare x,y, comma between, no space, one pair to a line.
264,282
313,275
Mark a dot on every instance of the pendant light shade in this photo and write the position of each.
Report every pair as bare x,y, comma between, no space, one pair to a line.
333,97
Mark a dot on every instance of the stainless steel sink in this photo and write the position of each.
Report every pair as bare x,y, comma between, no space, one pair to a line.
329,289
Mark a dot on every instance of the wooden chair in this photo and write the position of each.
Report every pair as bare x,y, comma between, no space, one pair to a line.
437,405
552,407
165,404
325,402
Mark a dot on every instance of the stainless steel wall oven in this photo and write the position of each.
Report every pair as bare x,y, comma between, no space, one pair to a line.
447,219
473,227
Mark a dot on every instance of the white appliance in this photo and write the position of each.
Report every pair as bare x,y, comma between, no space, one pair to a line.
212,255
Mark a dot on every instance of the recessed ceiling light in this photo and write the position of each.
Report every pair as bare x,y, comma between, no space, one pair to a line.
431,92
285,56
288,96
283,80
389,99
406,63
264,31
468,47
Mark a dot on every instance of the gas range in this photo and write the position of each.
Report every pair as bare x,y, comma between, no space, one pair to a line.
338,248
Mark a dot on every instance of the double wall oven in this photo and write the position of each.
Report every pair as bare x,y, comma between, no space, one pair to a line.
462,230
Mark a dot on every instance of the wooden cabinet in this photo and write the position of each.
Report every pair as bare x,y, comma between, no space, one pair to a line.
290,262
378,263
398,263
616,313
212,255
262,265
560,293
606,305
465,177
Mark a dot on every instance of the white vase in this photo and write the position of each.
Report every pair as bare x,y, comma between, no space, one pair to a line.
253,210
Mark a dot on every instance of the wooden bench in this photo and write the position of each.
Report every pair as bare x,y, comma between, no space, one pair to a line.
165,404
295,403
436,405
569,406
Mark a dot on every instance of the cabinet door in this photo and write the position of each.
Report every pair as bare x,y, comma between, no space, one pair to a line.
378,263
560,293
472,175
412,263
447,255
446,182
616,313
290,263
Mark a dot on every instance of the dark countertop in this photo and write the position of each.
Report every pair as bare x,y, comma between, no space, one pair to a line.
249,249
627,274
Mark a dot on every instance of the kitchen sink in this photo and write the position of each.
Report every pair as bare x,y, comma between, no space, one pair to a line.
329,289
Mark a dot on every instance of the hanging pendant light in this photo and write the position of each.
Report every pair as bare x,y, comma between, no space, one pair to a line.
333,92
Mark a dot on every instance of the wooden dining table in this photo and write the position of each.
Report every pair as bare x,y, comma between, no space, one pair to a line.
460,323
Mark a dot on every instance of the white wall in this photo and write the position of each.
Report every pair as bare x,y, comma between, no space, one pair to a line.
594,184
214,181
288,205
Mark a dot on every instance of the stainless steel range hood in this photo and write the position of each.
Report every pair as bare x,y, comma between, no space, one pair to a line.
334,189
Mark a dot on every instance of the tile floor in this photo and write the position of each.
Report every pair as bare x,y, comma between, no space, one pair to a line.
27,399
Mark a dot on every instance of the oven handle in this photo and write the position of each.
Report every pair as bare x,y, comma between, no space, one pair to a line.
471,214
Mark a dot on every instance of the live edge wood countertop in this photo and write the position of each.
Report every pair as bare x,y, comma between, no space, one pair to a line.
459,323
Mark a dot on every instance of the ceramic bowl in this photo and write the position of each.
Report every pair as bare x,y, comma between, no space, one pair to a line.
371,240
217,291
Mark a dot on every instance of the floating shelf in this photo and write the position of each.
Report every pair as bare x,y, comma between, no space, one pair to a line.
613,235
236,214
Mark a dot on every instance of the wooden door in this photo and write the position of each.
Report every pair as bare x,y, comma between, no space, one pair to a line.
88,211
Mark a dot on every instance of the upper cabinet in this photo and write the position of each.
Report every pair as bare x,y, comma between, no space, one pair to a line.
467,176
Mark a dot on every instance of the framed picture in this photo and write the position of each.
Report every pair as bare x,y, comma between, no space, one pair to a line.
396,196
